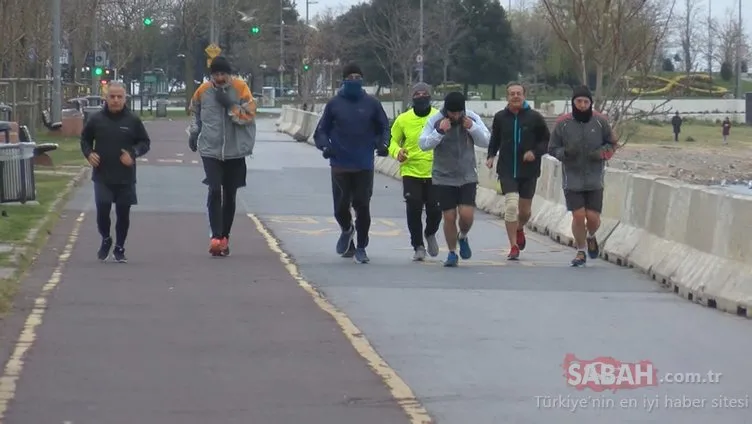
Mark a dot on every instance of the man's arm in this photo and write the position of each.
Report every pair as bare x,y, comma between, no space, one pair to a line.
142,142
478,131
194,109
87,138
245,112
556,143
542,134
324,127
494,144
398,137
608,146
382,123
431,137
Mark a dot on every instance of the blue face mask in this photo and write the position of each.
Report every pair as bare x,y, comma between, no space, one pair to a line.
352,88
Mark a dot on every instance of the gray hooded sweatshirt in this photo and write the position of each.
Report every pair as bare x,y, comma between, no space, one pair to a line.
454,152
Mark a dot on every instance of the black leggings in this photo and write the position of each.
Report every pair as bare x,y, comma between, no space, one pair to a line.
353,189
221,210
123,216
418,193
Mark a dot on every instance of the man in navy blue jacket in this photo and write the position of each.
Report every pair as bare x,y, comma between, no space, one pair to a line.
351,127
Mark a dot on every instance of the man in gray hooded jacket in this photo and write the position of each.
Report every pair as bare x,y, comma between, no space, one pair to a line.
453,134
583,142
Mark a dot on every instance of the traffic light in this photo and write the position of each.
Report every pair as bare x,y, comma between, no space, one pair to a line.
255,30
147,21
306,67
98,71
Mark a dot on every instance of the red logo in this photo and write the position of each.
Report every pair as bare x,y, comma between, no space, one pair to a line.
607,373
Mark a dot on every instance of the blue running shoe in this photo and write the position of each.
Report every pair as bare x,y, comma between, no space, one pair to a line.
592,247
580,260
360,256
104,249
451,260
465,252
344,241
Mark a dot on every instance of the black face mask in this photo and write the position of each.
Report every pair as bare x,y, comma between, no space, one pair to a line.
580,115
422,106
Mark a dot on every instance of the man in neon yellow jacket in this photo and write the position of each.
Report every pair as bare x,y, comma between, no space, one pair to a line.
415,168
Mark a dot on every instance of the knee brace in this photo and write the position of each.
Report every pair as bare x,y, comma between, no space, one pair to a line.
511,207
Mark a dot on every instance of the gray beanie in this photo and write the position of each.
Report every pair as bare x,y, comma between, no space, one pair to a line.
421,86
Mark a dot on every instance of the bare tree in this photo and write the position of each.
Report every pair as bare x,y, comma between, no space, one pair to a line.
446,30
537,37
690,34
391,33
613,38
726,33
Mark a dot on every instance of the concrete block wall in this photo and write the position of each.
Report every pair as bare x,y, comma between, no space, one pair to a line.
695,240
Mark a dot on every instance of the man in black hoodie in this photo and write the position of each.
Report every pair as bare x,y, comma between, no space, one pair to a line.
519,135
111,141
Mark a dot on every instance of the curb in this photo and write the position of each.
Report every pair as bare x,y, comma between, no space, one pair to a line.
54,207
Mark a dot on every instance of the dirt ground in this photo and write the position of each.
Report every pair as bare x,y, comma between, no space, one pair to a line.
702,160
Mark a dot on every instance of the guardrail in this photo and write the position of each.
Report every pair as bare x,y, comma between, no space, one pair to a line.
696,240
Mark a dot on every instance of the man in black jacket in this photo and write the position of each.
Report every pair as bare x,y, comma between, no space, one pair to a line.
519,135
111,141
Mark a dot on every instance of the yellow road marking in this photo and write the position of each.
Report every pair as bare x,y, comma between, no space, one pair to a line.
292,219
387,222
387,233
320,232
170,160
399,389
14,366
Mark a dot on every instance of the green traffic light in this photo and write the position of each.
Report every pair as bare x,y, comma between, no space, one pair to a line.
255,30
306,67
98,71
147,21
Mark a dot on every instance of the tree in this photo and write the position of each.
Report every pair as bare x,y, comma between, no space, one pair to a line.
448,29
537,39
611,39
727,34
690,34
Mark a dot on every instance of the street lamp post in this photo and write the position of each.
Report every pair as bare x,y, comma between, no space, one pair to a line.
282,8
56,107
420,49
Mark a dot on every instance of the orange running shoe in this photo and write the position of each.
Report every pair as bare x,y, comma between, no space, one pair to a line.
215,246
224,246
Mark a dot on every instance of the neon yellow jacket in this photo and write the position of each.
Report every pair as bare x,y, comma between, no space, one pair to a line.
405,133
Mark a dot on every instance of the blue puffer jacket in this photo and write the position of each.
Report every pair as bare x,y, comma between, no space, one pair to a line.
353,128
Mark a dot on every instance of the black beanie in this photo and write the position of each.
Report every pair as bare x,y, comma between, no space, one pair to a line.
351,69
582,91
220,64
454,102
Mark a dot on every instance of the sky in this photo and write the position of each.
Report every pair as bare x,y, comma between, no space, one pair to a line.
718,10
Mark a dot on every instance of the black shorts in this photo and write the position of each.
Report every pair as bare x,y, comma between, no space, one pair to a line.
120,194
591,200
449,197
227,173
417,190
525,187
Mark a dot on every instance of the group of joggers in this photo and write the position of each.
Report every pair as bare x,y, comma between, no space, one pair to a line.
436,152
435,149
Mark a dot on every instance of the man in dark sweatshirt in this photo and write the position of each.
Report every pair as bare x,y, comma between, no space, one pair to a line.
519,135
583,142
111,141
352,126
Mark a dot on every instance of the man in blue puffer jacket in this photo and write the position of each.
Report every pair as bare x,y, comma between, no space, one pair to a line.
352,126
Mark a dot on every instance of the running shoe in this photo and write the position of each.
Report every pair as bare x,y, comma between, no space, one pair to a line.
451,260
420,254
521,240
432,245
592,247
514,253
104,249
344,240
465,252
215,246
580,260
119,255
360,256
224,246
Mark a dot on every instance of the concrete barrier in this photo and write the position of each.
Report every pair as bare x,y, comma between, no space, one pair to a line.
694,240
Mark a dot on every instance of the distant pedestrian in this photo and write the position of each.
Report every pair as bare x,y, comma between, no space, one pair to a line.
352,126
676,123
111,141
223,131
726,129
452,134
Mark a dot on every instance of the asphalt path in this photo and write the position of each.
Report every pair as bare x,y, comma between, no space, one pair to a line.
177,337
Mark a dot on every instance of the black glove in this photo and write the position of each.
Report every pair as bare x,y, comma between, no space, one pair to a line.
382,151
223,98
327,153
570,152
193,142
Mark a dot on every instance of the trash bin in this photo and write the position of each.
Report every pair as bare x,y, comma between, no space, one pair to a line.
89,110
162,108
17,172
